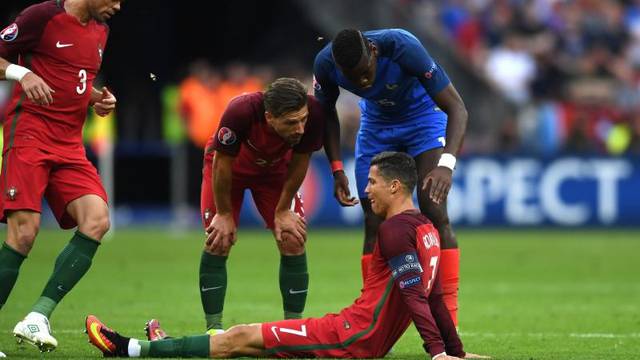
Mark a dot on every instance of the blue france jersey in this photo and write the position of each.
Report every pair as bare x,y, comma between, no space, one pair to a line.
407,79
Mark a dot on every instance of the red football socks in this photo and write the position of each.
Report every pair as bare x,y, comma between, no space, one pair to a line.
450,276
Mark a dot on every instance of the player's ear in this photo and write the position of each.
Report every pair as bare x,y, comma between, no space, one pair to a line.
269,116
394,186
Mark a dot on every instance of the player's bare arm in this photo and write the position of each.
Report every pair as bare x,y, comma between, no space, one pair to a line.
221,232
332,149
440,178
34,87
103,101
285,219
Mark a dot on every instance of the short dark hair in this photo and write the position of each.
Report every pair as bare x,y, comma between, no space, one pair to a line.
285,95
347,48
397,165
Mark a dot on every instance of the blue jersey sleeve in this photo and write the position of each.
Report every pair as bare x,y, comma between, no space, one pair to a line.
325,89
415,59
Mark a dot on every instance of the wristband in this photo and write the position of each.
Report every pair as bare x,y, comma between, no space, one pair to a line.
336,165
447,160
15,72
438,355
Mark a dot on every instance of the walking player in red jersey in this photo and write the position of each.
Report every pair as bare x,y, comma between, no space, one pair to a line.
264,143
403,285
53,53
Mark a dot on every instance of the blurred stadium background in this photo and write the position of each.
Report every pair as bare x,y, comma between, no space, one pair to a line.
552,147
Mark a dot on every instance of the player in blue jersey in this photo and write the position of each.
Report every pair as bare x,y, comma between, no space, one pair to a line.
408,104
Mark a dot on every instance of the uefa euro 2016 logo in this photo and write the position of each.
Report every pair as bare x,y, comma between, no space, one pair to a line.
226,136
9,33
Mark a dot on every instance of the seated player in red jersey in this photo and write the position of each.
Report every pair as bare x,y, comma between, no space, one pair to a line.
402,286
264,144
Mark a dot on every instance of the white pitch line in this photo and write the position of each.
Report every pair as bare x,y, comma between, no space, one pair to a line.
574,335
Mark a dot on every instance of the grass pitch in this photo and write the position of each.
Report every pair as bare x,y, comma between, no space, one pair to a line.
534,294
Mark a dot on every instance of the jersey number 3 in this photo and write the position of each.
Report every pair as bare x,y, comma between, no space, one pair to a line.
82,75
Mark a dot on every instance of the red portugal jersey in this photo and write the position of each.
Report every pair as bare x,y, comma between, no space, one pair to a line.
259,150
67,55
402,287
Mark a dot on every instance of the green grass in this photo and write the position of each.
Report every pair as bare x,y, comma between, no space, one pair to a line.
535,294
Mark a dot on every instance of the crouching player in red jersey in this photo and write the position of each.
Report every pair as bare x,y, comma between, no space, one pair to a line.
56,48
264,144
402,286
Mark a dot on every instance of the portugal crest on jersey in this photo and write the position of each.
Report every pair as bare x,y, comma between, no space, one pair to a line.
226,136
9,33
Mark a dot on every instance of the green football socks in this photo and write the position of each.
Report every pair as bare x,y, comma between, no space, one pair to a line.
184,347
10,261
294,284
213,286
188,346
71,265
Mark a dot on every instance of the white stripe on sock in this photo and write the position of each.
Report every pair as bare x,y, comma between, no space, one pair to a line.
134,348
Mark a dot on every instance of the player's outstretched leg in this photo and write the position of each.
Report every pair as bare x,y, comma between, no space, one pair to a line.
113,344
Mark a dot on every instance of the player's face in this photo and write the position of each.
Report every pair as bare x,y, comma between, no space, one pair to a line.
364,73
290,126
103,10
378,192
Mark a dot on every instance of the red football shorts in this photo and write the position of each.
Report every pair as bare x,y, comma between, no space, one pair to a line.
306,338
28,173
265,192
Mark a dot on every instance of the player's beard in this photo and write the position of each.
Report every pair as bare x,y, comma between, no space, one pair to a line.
294,140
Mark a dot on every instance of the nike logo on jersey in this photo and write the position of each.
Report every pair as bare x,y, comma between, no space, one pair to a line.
294,292
273,330
391,86
60,45
204,289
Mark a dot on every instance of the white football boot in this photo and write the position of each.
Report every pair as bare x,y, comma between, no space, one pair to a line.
2,354
35,330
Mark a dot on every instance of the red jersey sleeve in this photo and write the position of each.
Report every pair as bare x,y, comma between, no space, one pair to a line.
24,34
313,137
448,332
235,125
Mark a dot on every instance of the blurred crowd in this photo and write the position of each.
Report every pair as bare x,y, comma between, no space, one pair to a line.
205,92
571,69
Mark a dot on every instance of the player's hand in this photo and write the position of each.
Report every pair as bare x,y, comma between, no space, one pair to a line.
288,221
439,180
36,89
476,356
341,189
106,103
221,234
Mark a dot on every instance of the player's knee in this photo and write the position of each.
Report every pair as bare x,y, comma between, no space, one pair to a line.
231,341
96,225
290,245
25,236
